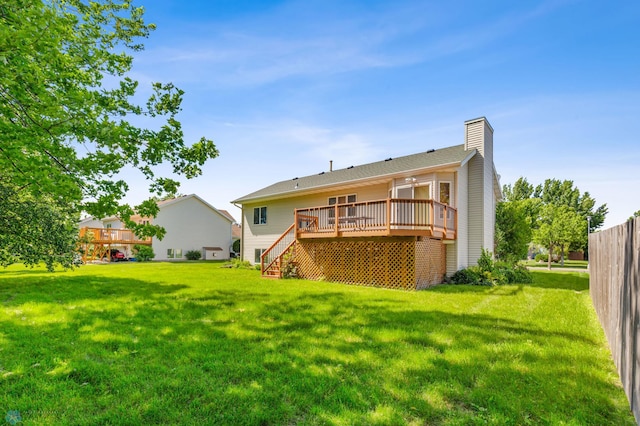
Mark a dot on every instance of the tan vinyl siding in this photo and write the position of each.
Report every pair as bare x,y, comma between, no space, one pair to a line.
489,198
479,135
280,215
462,240
451,256
475,200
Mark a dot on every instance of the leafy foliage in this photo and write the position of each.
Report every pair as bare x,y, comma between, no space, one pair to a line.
289,266
193,255
531,200
34,230
68,112
143,253
489,273
241,264
559,227
636,214
513,231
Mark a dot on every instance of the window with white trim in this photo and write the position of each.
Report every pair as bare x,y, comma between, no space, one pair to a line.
343,199
260,216
174,253
258,254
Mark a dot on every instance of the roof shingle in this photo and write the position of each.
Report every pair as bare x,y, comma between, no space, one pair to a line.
424,160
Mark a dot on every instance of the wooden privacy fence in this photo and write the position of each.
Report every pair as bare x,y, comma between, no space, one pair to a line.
614,263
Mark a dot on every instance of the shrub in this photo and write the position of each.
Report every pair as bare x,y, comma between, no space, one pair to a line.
485,262
491,273
143,253
240,264
541,257
289,267
193,255
465,276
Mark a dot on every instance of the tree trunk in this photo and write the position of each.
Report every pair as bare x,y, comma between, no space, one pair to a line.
549,258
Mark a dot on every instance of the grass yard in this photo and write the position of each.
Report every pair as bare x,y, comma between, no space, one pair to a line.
193,343
568,264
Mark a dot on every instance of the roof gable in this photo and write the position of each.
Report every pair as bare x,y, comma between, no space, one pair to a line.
167,203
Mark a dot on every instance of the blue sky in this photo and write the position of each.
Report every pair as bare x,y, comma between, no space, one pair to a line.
284,87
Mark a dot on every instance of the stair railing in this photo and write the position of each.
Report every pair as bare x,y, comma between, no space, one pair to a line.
272,257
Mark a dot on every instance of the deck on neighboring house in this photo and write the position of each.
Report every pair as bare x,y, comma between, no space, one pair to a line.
96,243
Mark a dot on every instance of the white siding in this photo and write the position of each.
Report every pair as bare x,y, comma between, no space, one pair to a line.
90,223
113,223
192,225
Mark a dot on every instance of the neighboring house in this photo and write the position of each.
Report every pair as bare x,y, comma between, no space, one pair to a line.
90,222
236,230
190,223
401,223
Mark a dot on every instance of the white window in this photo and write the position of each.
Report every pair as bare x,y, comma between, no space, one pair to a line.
258,254
343,199
174,253
260,216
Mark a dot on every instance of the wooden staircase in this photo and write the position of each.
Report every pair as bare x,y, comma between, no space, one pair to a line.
274,270
272,259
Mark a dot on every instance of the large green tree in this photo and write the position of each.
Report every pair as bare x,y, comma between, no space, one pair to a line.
564,193
70,113
513,230
35,230
552,192
559,226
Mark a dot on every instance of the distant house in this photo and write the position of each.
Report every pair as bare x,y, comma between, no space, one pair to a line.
190,223
401,223
236,230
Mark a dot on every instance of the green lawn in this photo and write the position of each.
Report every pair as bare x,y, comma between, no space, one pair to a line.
193,343
570,264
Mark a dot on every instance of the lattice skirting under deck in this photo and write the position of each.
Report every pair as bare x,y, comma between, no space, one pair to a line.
398,263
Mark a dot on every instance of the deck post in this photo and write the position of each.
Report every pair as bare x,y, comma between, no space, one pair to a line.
336,220
446,219
432,215
388,216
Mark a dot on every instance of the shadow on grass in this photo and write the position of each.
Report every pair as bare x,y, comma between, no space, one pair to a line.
122,350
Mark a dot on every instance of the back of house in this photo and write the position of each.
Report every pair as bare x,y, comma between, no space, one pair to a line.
401,222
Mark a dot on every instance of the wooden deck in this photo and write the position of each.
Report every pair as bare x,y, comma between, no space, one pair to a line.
112,236
389,217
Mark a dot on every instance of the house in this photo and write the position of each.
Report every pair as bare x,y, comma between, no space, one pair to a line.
236,231
400,223
190,223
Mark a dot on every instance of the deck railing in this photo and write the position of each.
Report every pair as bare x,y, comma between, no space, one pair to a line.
112,236
392,216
